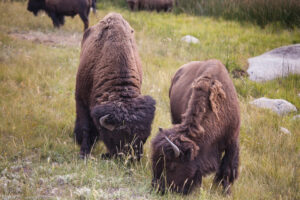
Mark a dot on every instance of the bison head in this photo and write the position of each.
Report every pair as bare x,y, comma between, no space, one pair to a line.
174,162
35,6
133,116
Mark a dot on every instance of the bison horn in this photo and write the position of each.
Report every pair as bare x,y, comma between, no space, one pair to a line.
104,124
175,148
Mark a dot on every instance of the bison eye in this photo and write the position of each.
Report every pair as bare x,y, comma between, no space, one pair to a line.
132,31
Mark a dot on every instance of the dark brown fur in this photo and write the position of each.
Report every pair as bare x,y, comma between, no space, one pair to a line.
158,5
206,118
109,82
57,9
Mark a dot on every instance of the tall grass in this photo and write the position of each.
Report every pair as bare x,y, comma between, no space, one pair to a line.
261,12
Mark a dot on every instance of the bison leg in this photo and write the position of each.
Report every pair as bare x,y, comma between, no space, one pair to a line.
85,18
94,6
61,19
133,6
85,131
55,19
228,170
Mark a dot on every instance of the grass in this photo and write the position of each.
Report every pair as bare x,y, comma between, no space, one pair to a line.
38,157
261,12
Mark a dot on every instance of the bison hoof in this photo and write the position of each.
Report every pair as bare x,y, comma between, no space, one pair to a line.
83,155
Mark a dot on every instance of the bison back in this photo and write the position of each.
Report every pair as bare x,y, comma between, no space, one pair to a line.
181,85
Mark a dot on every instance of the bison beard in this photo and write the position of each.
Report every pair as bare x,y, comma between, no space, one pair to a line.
109,104
57,9
205,107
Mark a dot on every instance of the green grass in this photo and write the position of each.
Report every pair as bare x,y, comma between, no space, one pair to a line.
261,12
38,157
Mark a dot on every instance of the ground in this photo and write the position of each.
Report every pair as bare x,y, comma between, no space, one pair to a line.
38,64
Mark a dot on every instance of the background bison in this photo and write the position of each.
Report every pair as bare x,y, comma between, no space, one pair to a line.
158,5
206,118
57,9
109,104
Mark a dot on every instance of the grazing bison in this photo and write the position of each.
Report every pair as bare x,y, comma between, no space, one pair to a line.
109,104
157,5
206,118
57,9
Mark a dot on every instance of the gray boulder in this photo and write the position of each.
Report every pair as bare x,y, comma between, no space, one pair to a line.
276,63
280,106
285,131
189,39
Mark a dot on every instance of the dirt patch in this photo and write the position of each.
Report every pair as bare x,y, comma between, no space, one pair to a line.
52,39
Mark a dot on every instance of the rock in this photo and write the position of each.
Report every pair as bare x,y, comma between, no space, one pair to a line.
276,63
280,106
285,131
189,39
296,117
83,192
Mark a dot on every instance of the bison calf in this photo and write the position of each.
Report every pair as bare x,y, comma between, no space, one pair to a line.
57,9
109,104
206,118
158,5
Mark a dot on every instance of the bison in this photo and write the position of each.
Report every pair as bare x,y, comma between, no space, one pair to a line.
204,137
57,9
157,5
109,104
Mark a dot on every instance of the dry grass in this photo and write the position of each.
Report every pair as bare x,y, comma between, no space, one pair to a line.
38,157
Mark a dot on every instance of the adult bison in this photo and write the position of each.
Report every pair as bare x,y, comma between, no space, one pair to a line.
206,118
57,9
109,104
157,5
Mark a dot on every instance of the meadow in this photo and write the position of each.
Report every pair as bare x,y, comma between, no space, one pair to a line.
38,156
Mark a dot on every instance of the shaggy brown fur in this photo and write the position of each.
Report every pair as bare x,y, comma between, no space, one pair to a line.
206,118
57,9
158,5
108,84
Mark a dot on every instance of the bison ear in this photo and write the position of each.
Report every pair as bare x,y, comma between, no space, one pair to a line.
189,149
160,129
103,122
